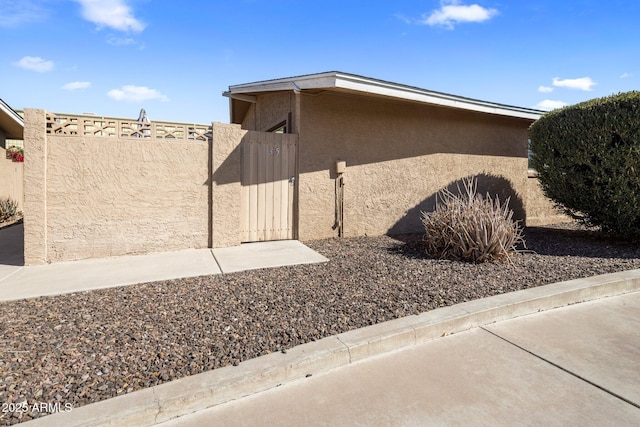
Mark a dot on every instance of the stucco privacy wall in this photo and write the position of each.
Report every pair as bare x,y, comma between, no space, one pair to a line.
89,197
11,178
398,156
540,210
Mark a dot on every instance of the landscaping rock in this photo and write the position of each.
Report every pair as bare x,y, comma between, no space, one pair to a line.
85,347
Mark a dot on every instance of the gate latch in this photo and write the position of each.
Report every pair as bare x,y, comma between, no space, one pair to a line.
292,180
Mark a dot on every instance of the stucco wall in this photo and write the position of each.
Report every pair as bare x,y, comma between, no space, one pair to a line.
98,197
114,197
540,210
11,178
272,109
399,155
226,187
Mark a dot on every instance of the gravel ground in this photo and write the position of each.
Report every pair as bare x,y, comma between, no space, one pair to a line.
81,348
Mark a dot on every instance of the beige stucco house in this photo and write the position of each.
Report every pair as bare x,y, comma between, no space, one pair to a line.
308,157
372,154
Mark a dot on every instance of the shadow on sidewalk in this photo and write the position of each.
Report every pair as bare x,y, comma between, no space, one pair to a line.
12,245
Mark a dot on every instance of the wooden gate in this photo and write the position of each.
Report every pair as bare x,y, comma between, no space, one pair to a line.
268,186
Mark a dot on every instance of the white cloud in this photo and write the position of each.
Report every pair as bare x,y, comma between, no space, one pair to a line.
549,105
583,83
118,41
14,13
35,63
115,14
451,12
131,93
76,85
545,89
125,41
625,75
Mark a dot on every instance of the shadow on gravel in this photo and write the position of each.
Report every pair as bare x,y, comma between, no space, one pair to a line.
560,240
569,240
409,246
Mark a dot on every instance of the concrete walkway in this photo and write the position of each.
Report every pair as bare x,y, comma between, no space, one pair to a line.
18,281
578,365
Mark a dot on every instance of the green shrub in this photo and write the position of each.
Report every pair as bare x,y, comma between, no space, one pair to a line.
8,209
588,160
469,227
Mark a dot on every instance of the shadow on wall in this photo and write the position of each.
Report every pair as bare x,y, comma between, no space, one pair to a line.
487,183
361,131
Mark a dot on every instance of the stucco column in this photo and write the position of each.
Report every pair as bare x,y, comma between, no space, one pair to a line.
225,184
35,186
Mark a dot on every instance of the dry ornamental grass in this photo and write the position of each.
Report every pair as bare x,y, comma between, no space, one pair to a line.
469,227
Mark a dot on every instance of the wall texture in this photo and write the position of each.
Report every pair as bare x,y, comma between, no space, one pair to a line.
113,197
540,210
272,109
89,197
399,155
11,178
226,186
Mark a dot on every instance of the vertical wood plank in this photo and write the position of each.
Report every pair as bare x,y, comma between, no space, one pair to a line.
292,145
253,189
267,197
262,179
269,164
279,183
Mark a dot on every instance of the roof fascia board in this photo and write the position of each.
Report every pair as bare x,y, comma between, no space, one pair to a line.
241,97
311,81
378,87
349,82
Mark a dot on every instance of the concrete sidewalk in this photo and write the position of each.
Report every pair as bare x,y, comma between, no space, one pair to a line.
578,365
18,281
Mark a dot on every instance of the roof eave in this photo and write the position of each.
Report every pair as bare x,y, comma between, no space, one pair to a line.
350,82
11,122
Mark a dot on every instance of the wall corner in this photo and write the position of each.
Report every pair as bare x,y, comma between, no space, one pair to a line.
35,187
226,185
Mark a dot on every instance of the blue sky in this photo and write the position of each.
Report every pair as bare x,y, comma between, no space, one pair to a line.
175,58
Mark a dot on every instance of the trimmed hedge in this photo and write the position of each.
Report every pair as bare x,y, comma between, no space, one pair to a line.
588,160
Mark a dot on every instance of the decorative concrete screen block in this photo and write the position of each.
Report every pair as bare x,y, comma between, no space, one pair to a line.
119,128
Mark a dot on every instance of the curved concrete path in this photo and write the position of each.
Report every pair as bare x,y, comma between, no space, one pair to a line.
578,365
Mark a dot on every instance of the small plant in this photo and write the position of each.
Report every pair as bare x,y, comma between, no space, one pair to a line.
16,154
469,227
8,209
